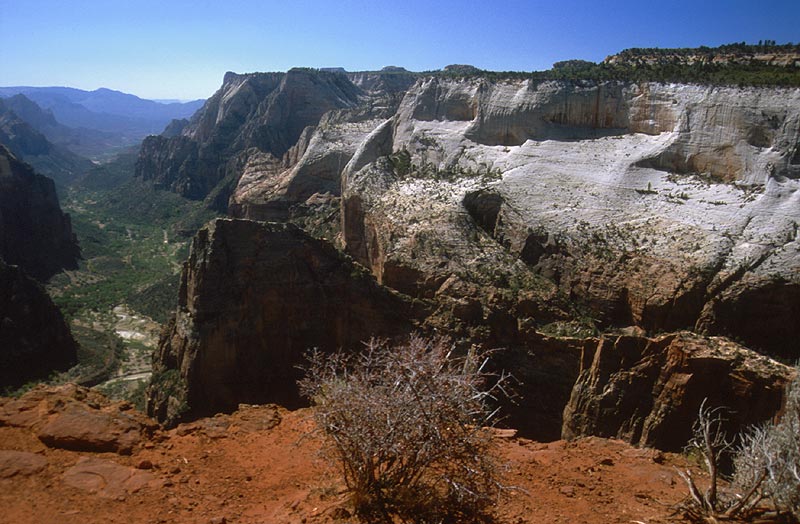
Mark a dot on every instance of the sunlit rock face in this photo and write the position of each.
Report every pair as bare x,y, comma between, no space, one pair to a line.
648,391
650,205
504,212
251,114
646,204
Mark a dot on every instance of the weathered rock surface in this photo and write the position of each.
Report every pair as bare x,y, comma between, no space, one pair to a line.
75,418
270,474
81,429
264,112
644,204
20,463
34,338
106,478
254,297
34,233
649,391
596,187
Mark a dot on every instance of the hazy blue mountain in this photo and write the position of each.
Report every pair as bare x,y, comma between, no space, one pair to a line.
105,109
89,143
32,146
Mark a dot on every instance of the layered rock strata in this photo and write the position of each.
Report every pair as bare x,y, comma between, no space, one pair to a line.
516,206
264,112
76,418
649,391
645,204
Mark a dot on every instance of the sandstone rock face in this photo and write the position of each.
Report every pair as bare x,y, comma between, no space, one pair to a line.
648,391
34,339
645,203
264,112
515,206
254,297
81,429
34,233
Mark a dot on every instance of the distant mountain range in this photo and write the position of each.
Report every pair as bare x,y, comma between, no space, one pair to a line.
99,120
34,136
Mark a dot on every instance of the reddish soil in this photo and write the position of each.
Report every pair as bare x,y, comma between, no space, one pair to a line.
262,465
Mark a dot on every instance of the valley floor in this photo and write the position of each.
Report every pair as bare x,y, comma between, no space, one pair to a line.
262,464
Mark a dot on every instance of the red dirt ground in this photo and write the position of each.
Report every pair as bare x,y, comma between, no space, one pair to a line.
232,469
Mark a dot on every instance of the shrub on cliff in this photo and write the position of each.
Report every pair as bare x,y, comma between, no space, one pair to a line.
407,426
765,485
769,458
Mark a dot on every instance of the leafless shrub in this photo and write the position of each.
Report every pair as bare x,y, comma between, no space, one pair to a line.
766,481
407,426
770,458
710,443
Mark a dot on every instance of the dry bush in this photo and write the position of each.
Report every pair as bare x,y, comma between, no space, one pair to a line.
765,486
770,458
407,426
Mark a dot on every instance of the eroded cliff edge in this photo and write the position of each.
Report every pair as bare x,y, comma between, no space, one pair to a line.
34,233
660,206
36,241
254,297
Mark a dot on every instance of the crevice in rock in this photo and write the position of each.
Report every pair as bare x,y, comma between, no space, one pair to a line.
484,207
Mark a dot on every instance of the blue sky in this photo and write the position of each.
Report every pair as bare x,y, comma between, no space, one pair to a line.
181,49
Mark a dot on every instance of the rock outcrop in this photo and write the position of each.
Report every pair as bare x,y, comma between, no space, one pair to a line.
34,233
642,202
34,339
254,297
76,418
264,112
649,391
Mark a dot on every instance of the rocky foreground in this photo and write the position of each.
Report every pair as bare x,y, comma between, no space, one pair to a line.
69,455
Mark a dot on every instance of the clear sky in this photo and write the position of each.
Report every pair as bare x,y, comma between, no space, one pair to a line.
181,48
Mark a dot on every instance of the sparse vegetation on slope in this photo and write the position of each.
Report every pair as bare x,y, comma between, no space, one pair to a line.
131,236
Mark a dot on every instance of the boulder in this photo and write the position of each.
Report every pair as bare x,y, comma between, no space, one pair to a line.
80,428
76,418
